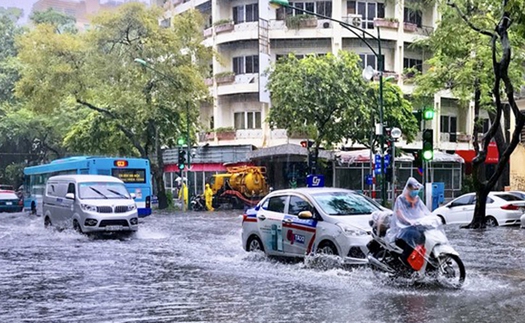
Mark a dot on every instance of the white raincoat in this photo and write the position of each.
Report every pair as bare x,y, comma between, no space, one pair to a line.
407,209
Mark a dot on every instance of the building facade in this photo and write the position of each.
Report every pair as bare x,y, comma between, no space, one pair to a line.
249,35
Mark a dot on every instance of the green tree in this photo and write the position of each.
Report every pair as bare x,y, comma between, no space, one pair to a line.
473,58
60,21
96,70
328,96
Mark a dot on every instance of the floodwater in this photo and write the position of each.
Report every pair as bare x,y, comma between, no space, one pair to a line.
191,268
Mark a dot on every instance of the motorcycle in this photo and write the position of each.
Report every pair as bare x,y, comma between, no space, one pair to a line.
198,203
435,259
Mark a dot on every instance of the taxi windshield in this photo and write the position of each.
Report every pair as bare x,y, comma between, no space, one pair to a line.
343,203
102,190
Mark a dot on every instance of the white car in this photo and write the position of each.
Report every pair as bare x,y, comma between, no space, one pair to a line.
298,222
503,208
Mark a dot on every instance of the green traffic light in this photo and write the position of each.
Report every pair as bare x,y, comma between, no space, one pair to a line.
428,113
181,141
428,155
181,166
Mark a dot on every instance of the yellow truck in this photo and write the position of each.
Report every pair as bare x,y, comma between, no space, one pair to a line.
241,186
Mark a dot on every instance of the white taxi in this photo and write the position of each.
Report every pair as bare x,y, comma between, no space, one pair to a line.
299,222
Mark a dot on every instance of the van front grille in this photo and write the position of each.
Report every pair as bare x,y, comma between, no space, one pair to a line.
105,223
121,208
104,209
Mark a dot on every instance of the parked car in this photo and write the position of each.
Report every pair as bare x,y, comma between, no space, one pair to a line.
5,187
520,194
9,202
298,222
503,208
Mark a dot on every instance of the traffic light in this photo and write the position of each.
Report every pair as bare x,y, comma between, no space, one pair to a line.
312,162
427,113
389,148
182,159
427,153
181,141
307,143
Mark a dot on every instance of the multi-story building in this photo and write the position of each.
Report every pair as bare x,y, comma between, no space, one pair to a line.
82,10
249,34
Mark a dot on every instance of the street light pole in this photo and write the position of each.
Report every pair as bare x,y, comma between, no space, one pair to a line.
379,56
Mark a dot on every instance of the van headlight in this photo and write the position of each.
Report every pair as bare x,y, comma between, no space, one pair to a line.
87,207
131,207
351,231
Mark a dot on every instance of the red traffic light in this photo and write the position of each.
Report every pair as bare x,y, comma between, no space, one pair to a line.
307,143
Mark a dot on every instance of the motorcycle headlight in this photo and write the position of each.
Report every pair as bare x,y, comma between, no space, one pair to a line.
87,207
351,231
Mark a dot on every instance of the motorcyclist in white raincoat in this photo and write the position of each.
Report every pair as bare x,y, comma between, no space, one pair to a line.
404,229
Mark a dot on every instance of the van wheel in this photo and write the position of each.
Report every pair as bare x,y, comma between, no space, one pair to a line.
76,226
47,222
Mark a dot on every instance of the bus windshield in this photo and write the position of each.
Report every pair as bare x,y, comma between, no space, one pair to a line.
102,190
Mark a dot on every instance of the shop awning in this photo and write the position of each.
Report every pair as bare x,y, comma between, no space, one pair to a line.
492,154
284,150
363,156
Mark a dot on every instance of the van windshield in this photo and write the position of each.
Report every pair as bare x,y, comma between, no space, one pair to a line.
102,190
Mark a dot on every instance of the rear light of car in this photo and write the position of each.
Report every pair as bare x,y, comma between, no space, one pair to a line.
510,207
244,216
20,202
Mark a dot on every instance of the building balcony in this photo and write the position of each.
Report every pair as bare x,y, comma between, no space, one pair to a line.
309,28
242,83
234,32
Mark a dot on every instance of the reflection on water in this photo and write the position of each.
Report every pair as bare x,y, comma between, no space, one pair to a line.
192,268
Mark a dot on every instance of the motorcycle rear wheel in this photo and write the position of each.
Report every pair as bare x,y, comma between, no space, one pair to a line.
450,271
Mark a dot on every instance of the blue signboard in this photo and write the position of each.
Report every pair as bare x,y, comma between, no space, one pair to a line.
369,179
315,180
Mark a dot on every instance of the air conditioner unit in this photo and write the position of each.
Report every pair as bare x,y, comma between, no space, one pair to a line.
354,20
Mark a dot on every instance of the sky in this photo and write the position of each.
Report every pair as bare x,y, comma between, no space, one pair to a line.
26,5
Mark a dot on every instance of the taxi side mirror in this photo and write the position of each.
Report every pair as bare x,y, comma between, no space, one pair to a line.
305,215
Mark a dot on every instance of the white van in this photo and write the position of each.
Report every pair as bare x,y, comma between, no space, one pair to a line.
89,203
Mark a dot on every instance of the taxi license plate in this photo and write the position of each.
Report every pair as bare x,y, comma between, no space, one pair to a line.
114,228
8,203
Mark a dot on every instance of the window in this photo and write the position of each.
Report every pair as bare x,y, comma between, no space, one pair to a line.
71,188
413,63
464,200
247,120
486,125
449,125
275,204
320,7
246,13
297,205
367,10
412,16
246,64
370,59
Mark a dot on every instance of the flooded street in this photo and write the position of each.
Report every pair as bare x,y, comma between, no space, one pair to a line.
191,268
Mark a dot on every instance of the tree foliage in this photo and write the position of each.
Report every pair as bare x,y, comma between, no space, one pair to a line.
328,96
473,58
97,71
